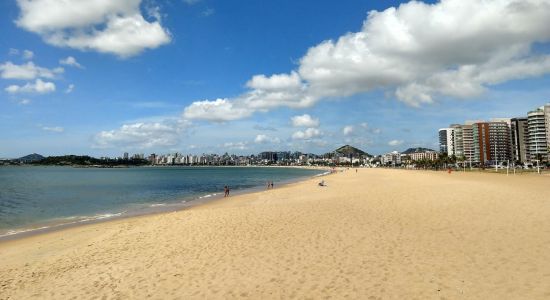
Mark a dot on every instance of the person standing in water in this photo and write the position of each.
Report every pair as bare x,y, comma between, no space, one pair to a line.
226,191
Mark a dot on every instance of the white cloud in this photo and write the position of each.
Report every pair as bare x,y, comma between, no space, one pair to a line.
453,48
69,89
365,125
13,52
395,142
70,61
307,134
143,135
304,120
24,101
53,129
115,27
347,130
236,145
265,139
417,51
218,111
28,54
38,87
27,71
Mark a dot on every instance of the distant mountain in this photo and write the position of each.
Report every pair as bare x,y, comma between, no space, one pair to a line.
347,150
31,158
416,150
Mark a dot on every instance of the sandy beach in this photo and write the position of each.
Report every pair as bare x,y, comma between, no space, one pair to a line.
374,234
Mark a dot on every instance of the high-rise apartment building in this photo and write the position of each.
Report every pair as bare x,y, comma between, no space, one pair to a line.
519,143
482,147
537,135
458,140
447,141
468,143
491,142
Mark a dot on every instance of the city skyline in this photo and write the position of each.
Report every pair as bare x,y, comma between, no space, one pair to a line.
211,77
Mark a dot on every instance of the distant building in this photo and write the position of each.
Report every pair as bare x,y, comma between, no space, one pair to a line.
125,157
391,158
425,155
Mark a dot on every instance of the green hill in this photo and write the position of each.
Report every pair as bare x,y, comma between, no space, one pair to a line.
416,150
349,150
31,158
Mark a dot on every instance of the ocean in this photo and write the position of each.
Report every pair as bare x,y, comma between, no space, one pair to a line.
41,198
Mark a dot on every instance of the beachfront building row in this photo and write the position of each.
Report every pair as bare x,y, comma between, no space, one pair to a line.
409,157
521,140
392,158
424,155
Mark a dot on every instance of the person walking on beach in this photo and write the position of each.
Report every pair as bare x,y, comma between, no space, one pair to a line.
272,185
226,191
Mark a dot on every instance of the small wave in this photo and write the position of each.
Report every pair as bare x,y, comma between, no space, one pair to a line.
101,217
157,204
323,174
14,232
81,220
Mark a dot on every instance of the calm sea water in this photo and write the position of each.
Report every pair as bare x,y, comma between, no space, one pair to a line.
44,197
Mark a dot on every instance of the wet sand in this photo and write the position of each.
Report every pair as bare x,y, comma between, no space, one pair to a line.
375,234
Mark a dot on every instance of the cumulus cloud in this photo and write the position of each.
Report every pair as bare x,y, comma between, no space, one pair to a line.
29,70
70,61
395,142
307,134
115,27
265,93
347,130
28,54
218,111
304,120
265,139
38,87
142,135
53,129
419,52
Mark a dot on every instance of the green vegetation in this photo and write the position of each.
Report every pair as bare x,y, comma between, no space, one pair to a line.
75,160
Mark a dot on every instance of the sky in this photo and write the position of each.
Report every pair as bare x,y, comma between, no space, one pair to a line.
204,76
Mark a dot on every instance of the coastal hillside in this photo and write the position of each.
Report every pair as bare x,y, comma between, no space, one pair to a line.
31,158
416,150
350,150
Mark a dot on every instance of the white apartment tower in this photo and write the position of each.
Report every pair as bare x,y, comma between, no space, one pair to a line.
537,138
446,141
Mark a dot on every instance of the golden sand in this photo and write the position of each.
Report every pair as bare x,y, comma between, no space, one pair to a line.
375,234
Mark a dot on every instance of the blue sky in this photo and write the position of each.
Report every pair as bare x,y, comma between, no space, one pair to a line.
217,76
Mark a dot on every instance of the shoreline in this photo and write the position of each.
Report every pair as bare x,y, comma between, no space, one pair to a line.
44,228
